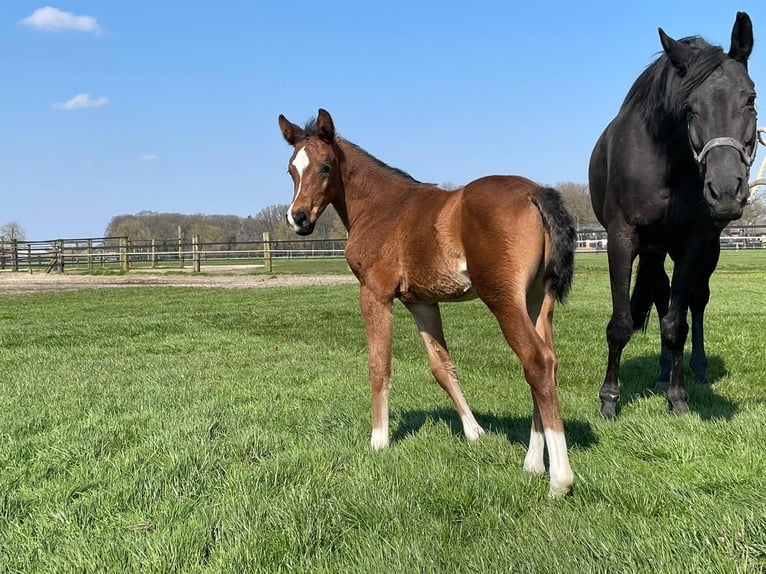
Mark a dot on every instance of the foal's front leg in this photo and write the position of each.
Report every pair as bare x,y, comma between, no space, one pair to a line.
429,322
377,313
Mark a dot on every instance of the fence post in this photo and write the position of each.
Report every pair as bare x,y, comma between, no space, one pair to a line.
195,254
124,264
15,254
180,248
266,252
153,256
60,251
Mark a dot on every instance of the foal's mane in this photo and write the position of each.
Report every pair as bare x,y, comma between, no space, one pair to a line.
310,129
659,94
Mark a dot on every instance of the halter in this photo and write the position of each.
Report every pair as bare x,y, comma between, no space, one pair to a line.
701,157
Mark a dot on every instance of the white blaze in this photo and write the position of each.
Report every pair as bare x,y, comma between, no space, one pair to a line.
300,163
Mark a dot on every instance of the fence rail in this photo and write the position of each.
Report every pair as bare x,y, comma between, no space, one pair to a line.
124,254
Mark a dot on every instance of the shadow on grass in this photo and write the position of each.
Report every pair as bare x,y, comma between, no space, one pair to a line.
638,375
516,429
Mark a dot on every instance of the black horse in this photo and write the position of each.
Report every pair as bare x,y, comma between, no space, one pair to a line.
666,177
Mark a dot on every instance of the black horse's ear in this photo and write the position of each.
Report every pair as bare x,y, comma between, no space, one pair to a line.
678,52
741,38
292,133
325,127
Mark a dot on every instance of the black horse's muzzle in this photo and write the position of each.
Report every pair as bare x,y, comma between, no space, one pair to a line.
725,187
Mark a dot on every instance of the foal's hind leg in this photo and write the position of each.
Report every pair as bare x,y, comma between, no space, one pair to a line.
534,461
539,361
429,324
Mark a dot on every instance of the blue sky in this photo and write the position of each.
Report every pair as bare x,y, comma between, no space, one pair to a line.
108,108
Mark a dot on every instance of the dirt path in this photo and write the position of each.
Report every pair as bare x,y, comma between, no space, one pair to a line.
39,282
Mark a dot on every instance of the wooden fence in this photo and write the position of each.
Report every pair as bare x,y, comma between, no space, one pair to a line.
124,254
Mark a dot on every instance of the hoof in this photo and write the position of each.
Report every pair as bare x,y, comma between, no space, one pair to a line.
536,468
609,410
560,490
472,433
679,408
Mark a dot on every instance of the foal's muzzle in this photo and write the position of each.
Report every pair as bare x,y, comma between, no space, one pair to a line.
300,222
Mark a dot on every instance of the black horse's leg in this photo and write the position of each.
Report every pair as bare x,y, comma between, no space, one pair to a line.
675,328
652,288
698,300
662,303
621,250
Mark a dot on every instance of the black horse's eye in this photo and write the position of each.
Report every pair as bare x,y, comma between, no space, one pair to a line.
751,101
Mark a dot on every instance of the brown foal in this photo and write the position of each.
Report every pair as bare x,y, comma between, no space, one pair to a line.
503,239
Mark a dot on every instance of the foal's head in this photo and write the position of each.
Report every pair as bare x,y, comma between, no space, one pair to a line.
314,169
720,114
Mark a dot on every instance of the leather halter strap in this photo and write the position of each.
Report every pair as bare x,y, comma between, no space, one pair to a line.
701,157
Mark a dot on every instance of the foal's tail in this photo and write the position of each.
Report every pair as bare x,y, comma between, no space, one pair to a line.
559,269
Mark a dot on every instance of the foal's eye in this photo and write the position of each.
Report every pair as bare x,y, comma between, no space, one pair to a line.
325,169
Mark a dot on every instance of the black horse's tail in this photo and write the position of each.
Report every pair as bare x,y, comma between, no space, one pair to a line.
652,287
559,224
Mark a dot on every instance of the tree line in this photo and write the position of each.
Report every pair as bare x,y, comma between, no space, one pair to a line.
233,229
221,229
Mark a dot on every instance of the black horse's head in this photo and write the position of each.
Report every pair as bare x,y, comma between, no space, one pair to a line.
720,114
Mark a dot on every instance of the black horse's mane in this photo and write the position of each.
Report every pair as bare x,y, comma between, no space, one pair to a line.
659,94
310,129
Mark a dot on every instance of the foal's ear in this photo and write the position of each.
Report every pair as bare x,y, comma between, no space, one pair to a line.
741,38
292,133
325,127
678,52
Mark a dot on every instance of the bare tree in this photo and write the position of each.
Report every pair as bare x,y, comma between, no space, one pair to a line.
272,216
577,200
755,211
12,231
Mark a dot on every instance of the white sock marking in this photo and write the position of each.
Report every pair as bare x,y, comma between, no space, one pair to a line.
471,428
533,462
561,473
379,439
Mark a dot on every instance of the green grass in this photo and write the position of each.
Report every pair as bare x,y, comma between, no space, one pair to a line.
208,430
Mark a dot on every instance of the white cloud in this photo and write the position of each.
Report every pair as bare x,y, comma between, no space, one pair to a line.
79,102
54,20
148,157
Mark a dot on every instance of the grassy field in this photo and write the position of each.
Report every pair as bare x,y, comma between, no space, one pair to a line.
210,430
